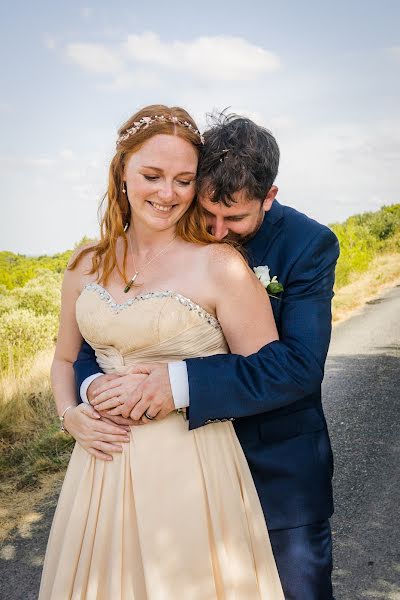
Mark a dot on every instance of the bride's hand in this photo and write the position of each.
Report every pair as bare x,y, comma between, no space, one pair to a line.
97,437
115,393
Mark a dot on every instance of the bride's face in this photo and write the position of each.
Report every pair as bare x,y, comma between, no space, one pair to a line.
160,181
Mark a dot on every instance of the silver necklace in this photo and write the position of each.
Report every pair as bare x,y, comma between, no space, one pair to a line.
131,282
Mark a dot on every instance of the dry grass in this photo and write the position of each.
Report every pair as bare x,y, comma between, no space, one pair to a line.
384,273
32,447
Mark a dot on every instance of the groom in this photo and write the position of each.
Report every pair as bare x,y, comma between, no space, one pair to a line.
273,396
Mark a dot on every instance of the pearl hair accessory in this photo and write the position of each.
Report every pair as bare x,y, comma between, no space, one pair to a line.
145,122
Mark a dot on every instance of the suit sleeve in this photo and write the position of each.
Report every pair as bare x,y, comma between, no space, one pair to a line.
284,371
85,366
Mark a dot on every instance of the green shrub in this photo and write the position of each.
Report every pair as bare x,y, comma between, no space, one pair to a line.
362,237
22,334
42,294
17,269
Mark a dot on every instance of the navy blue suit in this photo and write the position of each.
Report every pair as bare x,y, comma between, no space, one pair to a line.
275,398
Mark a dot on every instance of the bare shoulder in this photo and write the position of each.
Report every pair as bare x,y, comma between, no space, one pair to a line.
227,265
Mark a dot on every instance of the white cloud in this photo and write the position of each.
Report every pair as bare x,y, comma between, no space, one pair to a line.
95,57
223,58
207,58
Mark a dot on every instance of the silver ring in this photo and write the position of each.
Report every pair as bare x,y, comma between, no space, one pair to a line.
146,414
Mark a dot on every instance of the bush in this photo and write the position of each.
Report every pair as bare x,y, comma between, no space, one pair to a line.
42,295
362,237
17,269
22,334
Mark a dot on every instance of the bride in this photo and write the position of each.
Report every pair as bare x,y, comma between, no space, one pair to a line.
175,514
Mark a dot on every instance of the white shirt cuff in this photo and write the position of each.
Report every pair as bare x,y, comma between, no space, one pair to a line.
178,377
85,384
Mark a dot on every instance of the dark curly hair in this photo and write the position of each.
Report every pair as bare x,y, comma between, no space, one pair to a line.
237,155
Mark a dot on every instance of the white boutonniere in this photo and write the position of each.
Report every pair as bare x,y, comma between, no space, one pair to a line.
271,285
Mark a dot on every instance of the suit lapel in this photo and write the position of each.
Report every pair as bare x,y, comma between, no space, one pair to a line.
258,247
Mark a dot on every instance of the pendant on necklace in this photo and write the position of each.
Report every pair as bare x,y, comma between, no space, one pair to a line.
131,283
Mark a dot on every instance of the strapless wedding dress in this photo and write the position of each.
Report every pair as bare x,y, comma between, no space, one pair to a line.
176,516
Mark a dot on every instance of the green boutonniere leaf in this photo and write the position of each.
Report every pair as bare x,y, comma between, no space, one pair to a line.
274,287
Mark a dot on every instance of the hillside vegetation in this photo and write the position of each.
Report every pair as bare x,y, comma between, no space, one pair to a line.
364,237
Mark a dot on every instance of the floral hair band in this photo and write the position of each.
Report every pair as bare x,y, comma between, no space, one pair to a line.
145,122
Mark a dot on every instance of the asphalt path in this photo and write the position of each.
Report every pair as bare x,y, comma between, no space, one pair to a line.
361,398
362,401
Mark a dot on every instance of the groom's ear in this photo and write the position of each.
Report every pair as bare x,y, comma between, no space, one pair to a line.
269,198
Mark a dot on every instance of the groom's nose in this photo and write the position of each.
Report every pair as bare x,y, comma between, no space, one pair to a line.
219,228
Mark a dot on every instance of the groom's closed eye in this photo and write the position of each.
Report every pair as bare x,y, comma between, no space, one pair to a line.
228,218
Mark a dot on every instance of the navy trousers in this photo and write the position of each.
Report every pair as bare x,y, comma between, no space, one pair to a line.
304,559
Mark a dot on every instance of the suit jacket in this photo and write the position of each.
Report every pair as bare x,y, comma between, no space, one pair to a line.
274,396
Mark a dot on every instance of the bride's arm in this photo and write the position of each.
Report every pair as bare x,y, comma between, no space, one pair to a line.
97,437
69,341
242,304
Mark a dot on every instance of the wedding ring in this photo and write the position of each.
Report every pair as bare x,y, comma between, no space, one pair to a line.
146,414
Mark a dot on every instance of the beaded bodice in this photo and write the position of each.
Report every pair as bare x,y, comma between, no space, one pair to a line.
156,326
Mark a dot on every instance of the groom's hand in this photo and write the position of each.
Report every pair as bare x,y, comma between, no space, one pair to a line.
153,395
94,390
97,384
114,393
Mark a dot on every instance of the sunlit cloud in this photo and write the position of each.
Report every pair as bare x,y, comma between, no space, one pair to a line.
207,58
223,58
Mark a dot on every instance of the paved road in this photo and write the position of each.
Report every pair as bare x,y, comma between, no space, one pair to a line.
362,402
362,398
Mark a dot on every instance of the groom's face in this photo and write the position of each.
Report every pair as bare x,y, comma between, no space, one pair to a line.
241,220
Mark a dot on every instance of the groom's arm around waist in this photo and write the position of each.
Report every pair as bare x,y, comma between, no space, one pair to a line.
85,368
284,371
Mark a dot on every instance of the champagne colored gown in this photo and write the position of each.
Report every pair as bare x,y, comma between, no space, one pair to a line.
176,516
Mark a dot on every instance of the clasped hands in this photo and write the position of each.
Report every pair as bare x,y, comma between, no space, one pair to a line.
118,402
145,389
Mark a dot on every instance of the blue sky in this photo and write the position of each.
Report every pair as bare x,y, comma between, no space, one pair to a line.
323,76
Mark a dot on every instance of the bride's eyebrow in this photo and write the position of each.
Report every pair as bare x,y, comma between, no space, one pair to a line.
161,171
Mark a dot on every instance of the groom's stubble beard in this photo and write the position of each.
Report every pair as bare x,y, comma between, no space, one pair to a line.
241,239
